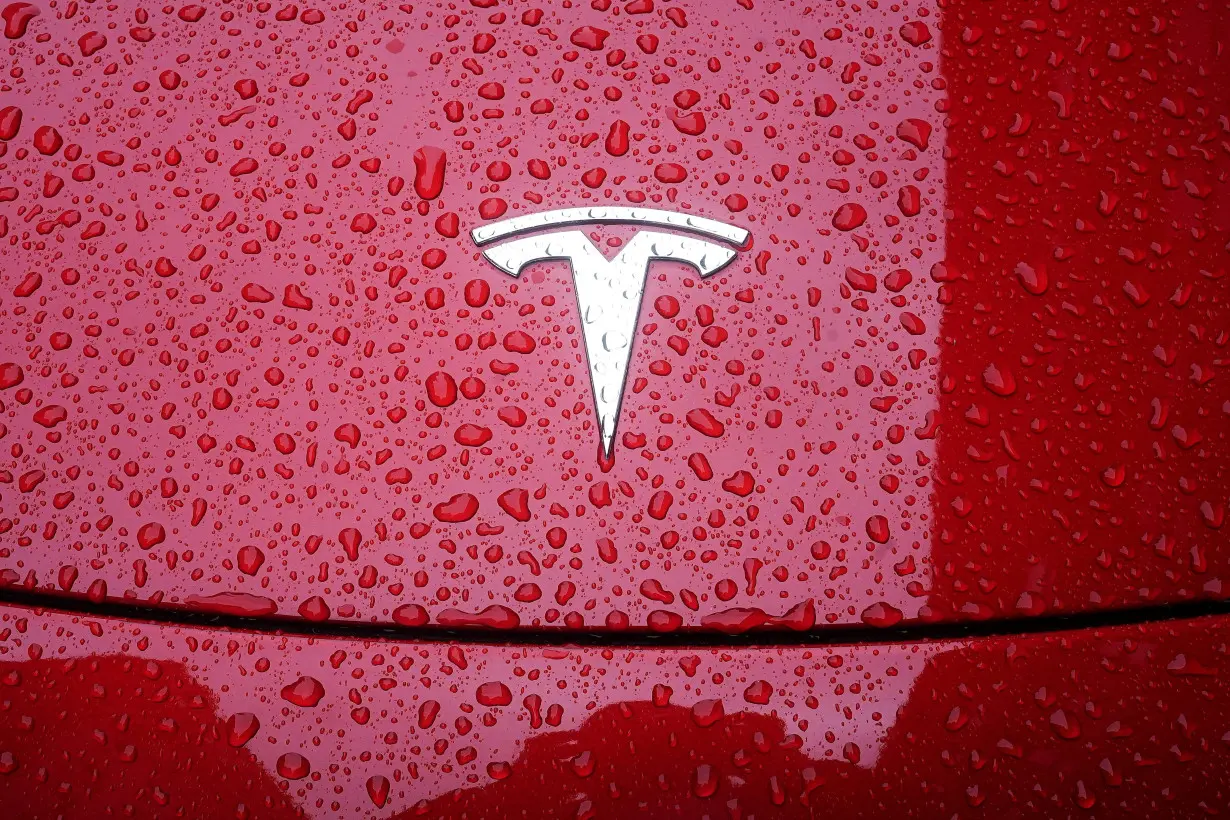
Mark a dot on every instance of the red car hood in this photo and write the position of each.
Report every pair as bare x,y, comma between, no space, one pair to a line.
966,363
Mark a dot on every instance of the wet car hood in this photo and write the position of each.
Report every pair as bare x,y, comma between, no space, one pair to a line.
952,354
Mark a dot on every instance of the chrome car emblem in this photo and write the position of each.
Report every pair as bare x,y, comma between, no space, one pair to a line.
609,292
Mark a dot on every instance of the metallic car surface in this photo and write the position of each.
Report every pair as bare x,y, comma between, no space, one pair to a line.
967,366
102,717
653,408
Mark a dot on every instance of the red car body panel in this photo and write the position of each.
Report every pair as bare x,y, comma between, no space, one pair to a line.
255,361
104,716
965,373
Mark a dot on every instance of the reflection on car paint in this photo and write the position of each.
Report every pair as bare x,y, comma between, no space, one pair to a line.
103,716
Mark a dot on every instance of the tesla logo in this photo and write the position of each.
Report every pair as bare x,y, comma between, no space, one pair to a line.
609,291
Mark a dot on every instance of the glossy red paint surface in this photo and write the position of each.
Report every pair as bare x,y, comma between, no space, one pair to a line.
969,367
100,717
